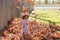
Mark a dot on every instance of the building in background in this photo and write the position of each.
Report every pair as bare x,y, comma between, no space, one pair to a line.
47,1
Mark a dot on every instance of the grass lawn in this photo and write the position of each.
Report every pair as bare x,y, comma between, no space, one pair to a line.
52,15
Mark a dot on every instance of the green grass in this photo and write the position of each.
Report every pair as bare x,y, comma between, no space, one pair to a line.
52,15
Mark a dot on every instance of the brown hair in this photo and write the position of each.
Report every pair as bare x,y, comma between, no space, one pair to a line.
25,16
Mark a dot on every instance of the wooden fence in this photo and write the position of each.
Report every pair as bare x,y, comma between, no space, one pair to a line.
7,11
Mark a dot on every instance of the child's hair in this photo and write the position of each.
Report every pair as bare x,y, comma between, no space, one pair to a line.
25,16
